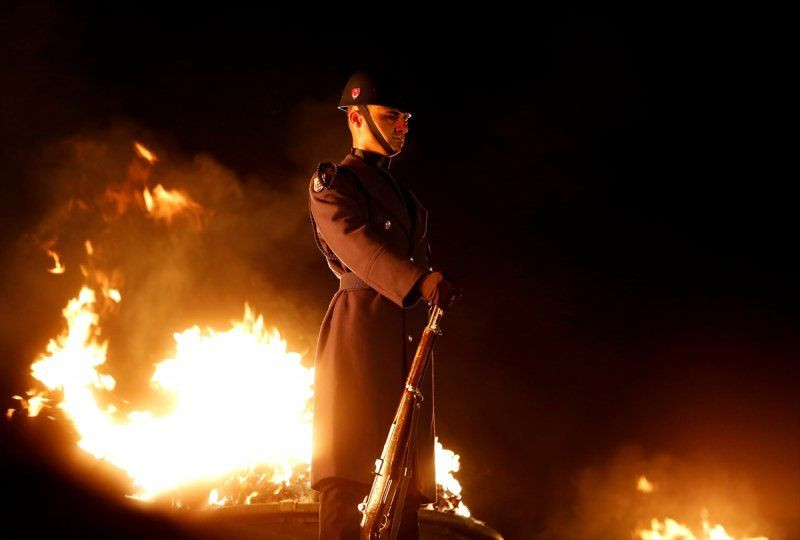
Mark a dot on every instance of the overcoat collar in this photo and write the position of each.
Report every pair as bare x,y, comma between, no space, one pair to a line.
378,186
372,158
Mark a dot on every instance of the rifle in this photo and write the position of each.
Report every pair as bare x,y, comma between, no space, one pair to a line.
382,507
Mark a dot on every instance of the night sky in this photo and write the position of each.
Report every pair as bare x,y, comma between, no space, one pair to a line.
605,187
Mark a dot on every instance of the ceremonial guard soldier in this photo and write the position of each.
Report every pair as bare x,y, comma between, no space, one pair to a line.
373,232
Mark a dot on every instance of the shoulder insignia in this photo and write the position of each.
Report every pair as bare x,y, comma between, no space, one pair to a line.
324,176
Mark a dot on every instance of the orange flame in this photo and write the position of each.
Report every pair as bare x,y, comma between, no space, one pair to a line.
644,485
144,153
240,398
670,529
58,268
163,204
447,462
34,403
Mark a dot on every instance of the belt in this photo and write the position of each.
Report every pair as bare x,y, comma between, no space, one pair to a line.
349,280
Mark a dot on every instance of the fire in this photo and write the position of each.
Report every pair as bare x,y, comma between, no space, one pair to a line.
241,403
58,268
164,204
34,403
158,203
115,295
447,463
670,529
240,398
144,153
644,485
214,499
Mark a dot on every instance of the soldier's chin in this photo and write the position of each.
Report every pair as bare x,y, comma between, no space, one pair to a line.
397,146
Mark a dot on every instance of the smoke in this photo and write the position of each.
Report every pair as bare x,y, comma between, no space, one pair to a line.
250,242
316,133
604,502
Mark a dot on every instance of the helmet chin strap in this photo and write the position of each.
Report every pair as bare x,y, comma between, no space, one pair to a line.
375,131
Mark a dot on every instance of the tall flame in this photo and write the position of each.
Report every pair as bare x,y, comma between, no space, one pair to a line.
240,398
447,463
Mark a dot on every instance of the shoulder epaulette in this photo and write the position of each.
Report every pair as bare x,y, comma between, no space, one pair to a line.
324,176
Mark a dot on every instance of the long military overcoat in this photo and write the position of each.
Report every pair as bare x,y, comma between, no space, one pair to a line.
371,329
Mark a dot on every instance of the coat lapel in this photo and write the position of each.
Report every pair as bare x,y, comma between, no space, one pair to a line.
379,188
420,221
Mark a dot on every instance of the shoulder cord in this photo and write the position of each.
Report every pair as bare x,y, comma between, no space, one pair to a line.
329,254
428,253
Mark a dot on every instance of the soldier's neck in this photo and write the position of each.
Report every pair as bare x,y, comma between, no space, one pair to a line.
373,158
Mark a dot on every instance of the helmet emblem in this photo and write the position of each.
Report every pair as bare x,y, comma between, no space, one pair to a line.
356,92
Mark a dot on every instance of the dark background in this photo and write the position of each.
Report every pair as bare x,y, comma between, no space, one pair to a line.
604,186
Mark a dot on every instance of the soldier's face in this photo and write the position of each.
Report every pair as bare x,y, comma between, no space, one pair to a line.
393,124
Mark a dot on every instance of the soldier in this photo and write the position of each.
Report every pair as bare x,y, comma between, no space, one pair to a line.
372,231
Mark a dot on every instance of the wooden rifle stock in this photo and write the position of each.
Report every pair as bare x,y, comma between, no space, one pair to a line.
381,509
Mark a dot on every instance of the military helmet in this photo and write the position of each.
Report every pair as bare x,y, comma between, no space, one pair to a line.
374,88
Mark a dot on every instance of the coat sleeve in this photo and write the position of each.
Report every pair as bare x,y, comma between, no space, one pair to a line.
342,221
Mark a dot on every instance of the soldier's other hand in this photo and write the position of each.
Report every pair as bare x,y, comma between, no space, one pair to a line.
439,290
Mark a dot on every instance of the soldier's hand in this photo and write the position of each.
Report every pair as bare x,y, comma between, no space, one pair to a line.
439,290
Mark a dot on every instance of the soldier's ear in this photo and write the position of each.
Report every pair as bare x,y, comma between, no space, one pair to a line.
354,117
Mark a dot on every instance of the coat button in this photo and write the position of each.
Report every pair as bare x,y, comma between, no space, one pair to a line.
410,338
411,259
387,224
